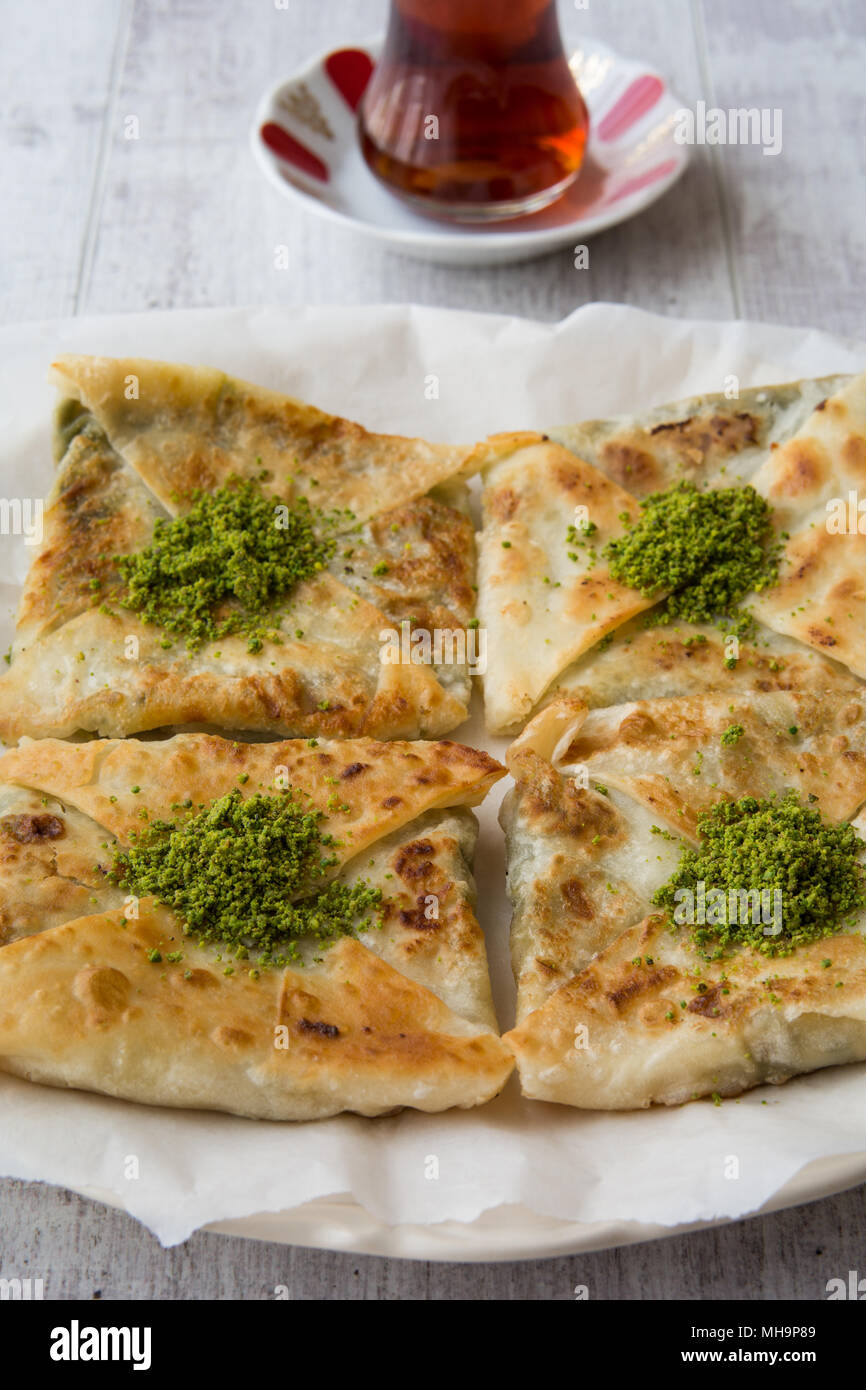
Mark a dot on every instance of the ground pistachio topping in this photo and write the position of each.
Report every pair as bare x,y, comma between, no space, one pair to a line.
224,565
706,550
810,874
732,735
254,874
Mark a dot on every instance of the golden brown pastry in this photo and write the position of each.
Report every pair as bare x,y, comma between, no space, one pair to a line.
137,442
104,990
621,1004
559,616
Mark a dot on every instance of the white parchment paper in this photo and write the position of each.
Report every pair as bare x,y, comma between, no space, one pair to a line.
450,376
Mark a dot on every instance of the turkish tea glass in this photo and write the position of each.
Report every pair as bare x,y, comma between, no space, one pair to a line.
472,112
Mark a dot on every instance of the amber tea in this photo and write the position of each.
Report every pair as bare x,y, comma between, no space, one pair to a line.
472,111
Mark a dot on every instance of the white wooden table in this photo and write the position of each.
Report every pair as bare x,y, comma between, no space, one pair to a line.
93,222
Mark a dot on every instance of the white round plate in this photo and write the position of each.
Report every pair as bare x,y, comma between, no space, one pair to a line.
304,141
501,1234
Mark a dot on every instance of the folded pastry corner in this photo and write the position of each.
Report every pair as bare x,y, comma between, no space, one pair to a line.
638,1026
216,553
177,996
571,590
621,1005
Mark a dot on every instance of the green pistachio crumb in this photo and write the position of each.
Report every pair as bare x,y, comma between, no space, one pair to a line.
702,552
224,565
779,844
252,873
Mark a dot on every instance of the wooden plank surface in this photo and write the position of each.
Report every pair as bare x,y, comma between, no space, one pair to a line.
798,247
83,1250
59,72
96,222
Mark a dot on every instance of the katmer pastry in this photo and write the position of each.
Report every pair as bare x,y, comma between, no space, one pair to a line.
559,620
624,823
379,999
194,477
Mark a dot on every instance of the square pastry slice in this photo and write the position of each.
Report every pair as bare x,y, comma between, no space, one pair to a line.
278,930
706,545
689,903
217,554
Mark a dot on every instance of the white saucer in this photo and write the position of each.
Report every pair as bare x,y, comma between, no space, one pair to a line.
304,141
